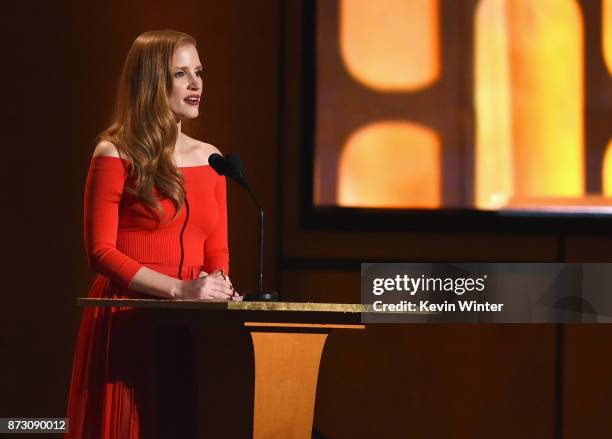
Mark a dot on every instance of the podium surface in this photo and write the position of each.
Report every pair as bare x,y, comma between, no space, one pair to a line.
287,340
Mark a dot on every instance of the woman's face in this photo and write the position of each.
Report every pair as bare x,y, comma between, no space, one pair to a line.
186,71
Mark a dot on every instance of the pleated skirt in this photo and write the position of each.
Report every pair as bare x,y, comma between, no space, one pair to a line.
131,377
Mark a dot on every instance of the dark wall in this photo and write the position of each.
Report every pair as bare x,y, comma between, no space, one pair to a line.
432,381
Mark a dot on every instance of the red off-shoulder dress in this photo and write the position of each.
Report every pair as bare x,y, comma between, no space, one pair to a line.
113,392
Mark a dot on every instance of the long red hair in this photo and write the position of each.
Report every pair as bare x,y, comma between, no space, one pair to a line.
143,127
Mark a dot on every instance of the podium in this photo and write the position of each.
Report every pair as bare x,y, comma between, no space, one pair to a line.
287,344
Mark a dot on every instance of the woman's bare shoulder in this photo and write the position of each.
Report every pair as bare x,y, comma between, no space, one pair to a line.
202,150
207,149
105,148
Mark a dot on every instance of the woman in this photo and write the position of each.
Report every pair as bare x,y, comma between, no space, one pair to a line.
155,226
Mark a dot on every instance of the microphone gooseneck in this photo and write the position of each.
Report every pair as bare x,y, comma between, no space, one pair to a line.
232,167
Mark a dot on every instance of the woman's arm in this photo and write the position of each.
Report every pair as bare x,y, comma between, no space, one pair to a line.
156,284
103,192
216,252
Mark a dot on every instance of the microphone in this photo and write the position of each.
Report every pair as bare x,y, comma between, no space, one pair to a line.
217,162
233,168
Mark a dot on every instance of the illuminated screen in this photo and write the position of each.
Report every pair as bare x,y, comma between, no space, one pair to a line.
487,105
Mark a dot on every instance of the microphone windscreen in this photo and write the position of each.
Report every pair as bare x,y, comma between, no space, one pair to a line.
217,162
234,165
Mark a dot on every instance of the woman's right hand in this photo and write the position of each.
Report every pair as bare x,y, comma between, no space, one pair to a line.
212,287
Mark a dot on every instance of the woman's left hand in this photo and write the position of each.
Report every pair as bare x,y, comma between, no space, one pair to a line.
236,297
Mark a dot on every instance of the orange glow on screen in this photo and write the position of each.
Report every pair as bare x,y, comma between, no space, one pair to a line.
529,100
390,44
494,176
607,33
527,150
607,47
607,171
391,164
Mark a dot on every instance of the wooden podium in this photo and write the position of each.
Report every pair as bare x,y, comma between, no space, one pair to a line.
287,343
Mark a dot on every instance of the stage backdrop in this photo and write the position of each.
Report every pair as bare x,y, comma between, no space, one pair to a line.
463,104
